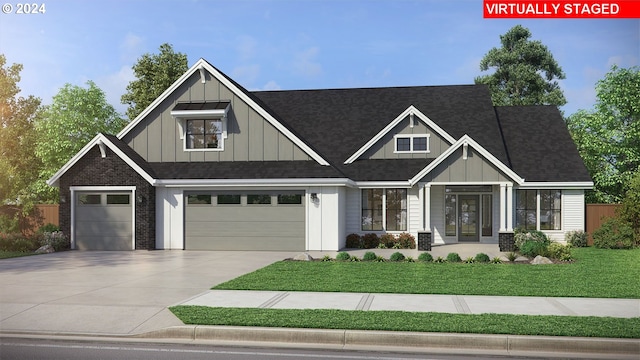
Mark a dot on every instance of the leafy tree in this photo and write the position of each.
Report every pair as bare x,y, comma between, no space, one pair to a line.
608,137
18,163
525,71
76,115
630,210
154,73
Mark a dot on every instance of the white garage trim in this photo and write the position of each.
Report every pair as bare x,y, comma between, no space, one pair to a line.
75,189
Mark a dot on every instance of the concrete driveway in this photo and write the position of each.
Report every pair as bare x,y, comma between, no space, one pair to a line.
112,293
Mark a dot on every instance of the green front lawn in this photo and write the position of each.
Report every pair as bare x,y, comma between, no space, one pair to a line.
12,254
595,273
407,321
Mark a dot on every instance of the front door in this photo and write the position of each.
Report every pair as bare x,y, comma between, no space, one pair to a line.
468,229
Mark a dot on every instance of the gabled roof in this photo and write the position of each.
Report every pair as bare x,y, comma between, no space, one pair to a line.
468,141
122,150
202,66
411,110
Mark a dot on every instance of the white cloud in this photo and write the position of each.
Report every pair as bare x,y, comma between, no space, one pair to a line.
246,47
305,63
246,74
131,47
271,85
622,61
115,85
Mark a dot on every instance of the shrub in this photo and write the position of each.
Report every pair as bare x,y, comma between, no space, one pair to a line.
354,241
469,260
496,260
370,241
369,256
409,259
453,257
397,256
614,234
326,258
343,256
512,256
407,241
482,258
48,228
440,260
521,237
576,238
355,259
381,245
397,246
19,243
9,224
379,258
559,251
56,239
388,240
533,248
425,257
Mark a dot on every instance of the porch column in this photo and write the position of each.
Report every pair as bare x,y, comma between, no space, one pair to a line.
502,206
427,207
509,207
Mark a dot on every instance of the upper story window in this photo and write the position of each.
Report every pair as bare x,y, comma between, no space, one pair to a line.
204,134
202,125
412,143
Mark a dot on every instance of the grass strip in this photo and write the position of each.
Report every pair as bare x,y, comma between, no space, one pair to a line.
13,254
598,273
605,327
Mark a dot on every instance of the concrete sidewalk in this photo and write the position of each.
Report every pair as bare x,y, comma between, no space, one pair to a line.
454,304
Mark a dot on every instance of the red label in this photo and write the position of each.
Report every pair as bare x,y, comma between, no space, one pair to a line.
561,9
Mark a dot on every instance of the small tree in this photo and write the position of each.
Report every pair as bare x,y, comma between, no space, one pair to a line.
630,210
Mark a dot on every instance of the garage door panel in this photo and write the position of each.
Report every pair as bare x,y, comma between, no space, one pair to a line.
105,228
101,214
265,243
231,229
104,243
225,214
102,226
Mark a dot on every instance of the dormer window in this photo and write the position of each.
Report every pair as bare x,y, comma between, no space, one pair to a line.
203,125
412,143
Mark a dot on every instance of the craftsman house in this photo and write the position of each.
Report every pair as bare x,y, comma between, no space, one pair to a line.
210,165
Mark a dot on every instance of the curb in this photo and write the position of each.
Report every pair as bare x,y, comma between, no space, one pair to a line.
403,341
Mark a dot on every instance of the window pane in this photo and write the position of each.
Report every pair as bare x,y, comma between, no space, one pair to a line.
403,144
211,141
258,199
550,209
195,141
228,199
290,199
371,209
212,126
121,199
203,199
89,199
526,209
420,144
487,215
450,215
396,209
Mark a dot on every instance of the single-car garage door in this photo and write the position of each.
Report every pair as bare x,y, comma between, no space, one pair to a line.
245,221
103,221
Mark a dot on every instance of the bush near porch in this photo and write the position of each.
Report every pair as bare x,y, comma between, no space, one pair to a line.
385,241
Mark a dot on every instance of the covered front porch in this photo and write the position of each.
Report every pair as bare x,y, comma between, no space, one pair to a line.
466,213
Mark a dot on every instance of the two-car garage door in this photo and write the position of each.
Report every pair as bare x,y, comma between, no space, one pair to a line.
258,220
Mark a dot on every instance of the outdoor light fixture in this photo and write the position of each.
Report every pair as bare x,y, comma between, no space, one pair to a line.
63,199
314,198
140,199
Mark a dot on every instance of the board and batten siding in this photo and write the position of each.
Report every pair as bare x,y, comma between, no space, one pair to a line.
414,216
250,137
385,147
353,211
474,169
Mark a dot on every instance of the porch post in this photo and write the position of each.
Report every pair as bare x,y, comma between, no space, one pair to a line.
502,206
509,207
427,207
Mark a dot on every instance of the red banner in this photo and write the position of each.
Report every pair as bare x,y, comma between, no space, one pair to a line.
561,9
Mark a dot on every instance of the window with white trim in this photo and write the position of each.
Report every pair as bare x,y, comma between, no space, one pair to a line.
539,209
204,134
384,209
412,143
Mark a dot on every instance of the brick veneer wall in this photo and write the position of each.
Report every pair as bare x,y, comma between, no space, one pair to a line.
93,170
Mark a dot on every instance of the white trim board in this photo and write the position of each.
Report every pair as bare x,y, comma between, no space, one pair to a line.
99,140
203,64
411,110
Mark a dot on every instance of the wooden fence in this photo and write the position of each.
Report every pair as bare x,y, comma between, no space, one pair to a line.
596,215
42,215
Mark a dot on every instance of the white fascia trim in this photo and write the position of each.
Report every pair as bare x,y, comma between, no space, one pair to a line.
383,184
466,139
577,185
53,181
199,113
102,188
234,89
408,112
254,182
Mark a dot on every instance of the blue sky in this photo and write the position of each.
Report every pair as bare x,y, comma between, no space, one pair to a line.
279,44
